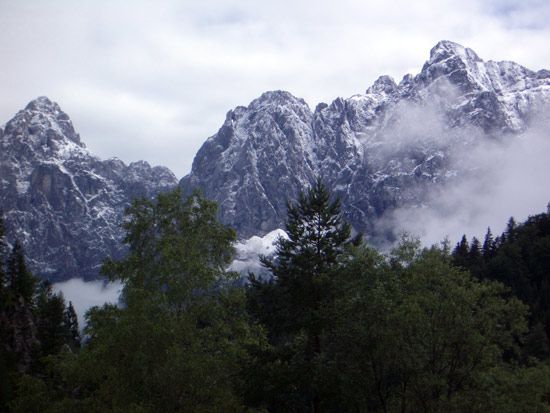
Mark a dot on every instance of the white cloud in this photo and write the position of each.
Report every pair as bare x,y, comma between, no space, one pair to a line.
87,294
152,80
508,177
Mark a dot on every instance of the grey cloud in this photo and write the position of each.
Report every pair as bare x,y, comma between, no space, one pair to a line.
507,177
106,63
85,295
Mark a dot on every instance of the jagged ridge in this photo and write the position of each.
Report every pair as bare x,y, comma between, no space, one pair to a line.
377,150
62,202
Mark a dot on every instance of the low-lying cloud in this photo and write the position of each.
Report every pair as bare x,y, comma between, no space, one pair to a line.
497,178
87,294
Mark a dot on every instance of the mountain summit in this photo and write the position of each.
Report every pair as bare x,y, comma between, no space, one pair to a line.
63,203
379,150
387,148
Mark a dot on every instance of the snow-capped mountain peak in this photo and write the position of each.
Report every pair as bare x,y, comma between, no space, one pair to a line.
445,50
377,151
63,203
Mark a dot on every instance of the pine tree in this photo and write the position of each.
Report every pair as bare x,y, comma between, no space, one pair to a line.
71,325
50,308
475,259
461,253
317,235
21,282
511,229
488,248
303,271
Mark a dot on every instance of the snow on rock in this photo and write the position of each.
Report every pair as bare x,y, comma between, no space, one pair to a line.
62,202
380,150
386,149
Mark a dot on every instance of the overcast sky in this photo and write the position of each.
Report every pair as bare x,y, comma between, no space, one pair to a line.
152,80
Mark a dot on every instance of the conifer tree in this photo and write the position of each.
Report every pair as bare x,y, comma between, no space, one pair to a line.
461,253
303,271
50,308
488,248
22,283
511,229
71,325
317,235
475,259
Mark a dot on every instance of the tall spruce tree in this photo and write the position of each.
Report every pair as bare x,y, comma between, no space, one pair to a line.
50,309
21,281
488,248
475,258
300,291
302,268
511,228
71,326
461,253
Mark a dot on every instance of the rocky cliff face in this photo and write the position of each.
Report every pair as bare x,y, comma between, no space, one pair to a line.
63,203
379,150
385,149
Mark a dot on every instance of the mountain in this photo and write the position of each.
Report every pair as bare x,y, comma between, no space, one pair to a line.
387,148
394,146
63,203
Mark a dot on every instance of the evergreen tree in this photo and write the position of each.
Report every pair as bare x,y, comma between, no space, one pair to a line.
21,282
50,308
304,262
475,259
461,253
71,325
488,248
301,290
511,229
475,250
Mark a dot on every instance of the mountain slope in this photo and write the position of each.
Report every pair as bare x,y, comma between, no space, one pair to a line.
61,201
380,150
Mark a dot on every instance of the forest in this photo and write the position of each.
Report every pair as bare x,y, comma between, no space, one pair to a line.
338,327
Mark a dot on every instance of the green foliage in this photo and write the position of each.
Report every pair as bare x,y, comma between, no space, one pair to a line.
339,327
293,305
52,330
22,283
305,262
416,337
520,259
72,330
32,327
180,341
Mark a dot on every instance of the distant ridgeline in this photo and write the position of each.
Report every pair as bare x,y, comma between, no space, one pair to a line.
387,148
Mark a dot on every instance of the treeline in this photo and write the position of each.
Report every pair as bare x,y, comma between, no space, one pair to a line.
520,259
35,324
338,327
